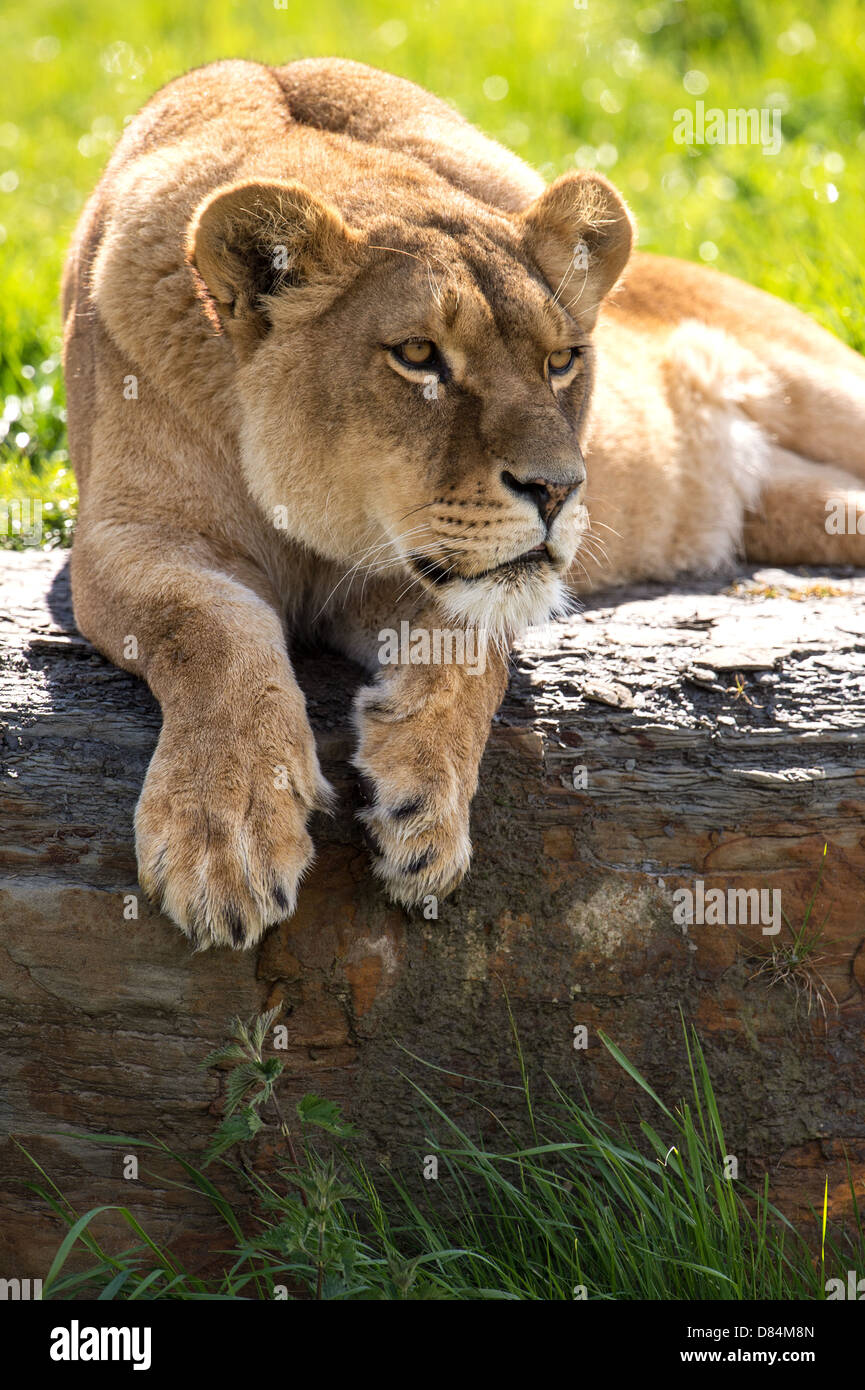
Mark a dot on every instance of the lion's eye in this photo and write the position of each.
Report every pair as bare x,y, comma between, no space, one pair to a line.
562,360
416,352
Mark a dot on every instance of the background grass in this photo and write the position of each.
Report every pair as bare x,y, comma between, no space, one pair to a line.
561,84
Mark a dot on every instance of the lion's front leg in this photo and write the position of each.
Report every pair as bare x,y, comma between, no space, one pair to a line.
220,827
422,732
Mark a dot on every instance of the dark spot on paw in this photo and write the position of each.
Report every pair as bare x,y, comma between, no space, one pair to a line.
235,927
408,808
366,790
371,838
159,873
419,862
195,931
281,900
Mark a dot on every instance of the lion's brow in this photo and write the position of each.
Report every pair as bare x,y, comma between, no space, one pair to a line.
556,314
447,297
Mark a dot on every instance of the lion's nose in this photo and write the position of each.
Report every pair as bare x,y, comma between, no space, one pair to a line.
548,496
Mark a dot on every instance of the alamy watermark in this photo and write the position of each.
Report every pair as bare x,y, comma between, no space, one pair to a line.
853,1290
735,126
844,517
17,1290
77,1343
438,646
21,518
713,907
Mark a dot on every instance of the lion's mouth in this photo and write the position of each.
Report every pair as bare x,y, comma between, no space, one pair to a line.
530,559
536,558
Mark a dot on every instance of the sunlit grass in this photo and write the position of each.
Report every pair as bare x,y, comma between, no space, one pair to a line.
562,85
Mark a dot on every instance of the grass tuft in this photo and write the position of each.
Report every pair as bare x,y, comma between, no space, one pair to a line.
585,1209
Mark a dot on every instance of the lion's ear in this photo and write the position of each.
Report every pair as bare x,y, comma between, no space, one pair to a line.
252,240
580,233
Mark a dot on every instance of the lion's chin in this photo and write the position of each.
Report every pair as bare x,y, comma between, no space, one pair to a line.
505,605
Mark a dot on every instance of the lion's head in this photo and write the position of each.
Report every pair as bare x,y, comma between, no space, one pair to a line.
412,384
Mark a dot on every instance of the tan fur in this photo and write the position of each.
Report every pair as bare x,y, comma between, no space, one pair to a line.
253,461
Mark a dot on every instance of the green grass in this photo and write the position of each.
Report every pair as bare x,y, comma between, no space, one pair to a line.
583,1210
598,85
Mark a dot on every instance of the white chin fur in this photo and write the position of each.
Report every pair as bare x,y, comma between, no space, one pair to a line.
504,609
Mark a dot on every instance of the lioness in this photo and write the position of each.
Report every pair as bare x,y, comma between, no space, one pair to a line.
334,359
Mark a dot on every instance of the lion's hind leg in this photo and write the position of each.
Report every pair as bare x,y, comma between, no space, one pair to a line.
807,514
814,407
805,394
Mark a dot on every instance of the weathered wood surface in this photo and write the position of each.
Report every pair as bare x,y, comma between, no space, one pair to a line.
721,729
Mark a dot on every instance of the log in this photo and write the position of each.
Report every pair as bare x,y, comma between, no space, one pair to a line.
656,740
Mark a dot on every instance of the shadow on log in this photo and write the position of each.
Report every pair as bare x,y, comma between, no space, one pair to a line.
659,740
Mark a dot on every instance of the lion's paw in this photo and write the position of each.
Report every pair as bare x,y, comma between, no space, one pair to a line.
220,832
419,797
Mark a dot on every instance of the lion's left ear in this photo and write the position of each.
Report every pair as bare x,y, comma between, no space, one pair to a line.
580,232
252,240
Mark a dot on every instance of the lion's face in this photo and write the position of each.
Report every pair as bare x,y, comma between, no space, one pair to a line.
414,401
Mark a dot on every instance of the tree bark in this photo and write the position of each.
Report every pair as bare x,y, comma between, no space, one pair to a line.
660,738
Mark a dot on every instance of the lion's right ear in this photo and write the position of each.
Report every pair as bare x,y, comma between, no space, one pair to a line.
251,240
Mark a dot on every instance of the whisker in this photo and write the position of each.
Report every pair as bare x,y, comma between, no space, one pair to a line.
608,528
382,566
394,541
418,580
367,554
